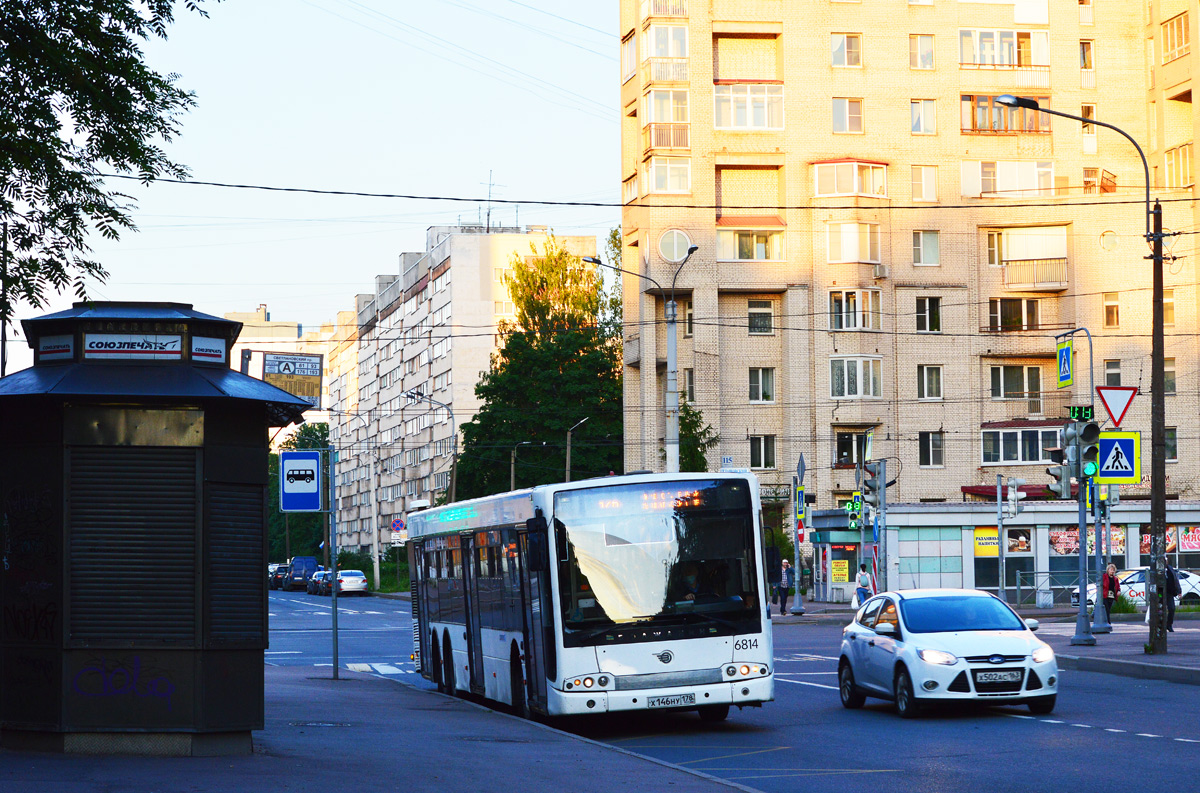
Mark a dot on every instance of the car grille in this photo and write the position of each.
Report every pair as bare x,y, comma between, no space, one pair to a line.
1002,687
987,659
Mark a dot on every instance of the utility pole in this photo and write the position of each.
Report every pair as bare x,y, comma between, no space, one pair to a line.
1158,452
585,418
4,304
801,515
1000,537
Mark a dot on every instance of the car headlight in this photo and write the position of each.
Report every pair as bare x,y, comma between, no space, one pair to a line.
1043,654
937,657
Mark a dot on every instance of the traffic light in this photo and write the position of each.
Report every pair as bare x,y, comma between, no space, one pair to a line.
1089,448
854,511
1015,507
873,483
1061,474
1103,502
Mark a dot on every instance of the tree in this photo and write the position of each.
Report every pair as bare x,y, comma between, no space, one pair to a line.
560,363
695,439
301,533
77,100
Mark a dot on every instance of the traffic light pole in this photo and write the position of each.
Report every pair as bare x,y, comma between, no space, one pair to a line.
1000,535
1100,623
1083,629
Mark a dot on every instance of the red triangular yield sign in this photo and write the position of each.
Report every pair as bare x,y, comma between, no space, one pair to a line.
1116,400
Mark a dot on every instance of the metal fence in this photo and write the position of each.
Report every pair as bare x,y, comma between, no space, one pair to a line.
1045,589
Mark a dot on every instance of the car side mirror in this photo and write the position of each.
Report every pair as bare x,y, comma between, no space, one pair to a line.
1032,624
886,629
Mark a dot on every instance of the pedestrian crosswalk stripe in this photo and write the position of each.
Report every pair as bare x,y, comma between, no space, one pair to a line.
359,667
386,669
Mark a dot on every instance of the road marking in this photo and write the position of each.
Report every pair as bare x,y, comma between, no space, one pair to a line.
806,683
1188,740
1018,716
359,667
386,669
283,652
1148,735
1112,729
1088,726
1051,721
804,674
738,754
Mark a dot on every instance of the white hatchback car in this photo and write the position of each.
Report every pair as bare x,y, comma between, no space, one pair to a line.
1133,588
352,582
921,645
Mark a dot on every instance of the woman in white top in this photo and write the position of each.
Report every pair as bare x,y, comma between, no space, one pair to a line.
864,584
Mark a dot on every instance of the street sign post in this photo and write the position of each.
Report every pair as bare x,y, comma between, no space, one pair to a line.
1120,458
1116,400
1066,362
300,481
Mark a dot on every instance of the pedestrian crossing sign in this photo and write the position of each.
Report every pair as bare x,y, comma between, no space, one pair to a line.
1120,458
1066,375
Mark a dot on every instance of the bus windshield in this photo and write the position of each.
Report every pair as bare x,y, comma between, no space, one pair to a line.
657,553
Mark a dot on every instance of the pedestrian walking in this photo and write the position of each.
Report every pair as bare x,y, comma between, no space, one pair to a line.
1110,588
1171,590
864,584
786,582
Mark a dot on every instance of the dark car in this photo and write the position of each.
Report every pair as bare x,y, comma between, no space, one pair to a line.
275,581
301,569
314,583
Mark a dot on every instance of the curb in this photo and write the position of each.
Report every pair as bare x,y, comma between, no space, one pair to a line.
1137,669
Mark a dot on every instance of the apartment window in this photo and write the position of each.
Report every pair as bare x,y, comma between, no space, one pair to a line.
995,248
932,445
1089,112
1008,178
1178,165
689,385
1112,309
670,174
748,106
925,248
689,315
1172,444
629,58
924,183
1002,49
929,382
1085,56
666,41
924,116
929,315
505,307
851,178
847,115
762,384
759,318
987,178
762,451
1018,446
1016,382
673,245
1013,313
1176,38
920,52
1168,304
853,242
1112,372
855,378
747,245
855,309
847,49
849,448
666,107
1168,375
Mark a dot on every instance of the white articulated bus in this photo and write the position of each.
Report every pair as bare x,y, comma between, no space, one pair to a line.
611,594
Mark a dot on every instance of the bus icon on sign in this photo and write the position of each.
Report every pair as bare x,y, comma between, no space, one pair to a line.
300,475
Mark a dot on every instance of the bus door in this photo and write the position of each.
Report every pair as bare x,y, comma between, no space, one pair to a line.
471,591
538,623
420,620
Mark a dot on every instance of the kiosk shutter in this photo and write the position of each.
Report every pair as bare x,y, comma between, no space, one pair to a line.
236,562
132,544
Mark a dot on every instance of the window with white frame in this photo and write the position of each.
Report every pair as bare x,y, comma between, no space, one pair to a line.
762,384
689,316
920,51
1112,309
929,382
995,248
1013,313
1018,446
855,309
931,447
924,183
441,347
504,307
851,178
1003,49
846,49
1086,56
748,245
1168,376
983,114
670,174
847,115
1177,163
924,116
665,41
1176,38
1168,304
1171,436
762,451
629,57
673,245
929,315
760,318
1112,372
1016,382
926,249
853,242
666,106
748,106
1007,178
689,385
849,448
855,378
1088,111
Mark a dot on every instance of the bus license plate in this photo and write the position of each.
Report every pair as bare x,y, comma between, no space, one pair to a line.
998,677
673,701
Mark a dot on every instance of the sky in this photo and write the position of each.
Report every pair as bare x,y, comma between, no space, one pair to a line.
429,98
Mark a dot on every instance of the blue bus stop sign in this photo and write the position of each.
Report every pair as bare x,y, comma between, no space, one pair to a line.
300,481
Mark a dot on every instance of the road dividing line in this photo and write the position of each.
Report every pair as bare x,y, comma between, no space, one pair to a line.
805,683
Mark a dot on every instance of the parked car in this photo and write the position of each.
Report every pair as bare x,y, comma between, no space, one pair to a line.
1133,587
352,582
300,570
313,587
277,575
921,645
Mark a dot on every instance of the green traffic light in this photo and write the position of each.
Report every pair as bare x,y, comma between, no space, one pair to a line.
1090,468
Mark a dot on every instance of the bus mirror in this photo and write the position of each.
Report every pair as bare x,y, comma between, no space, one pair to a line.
538,553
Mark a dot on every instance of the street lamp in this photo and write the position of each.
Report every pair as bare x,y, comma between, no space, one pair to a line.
512,465
585,418
672,396
415,395
1158,433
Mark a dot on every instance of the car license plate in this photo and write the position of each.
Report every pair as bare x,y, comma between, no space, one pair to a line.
998,677
673,701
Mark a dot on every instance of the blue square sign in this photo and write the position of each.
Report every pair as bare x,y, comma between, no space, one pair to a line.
300,481
1120,458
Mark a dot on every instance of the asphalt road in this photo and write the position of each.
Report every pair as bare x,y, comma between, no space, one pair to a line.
1104,727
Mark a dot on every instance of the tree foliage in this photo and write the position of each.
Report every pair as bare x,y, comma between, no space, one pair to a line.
559,363
695,439
77,100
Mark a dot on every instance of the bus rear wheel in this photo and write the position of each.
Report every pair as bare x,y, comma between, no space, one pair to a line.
448,670
520,703
714,713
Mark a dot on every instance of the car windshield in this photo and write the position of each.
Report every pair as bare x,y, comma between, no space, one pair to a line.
951,613
668,553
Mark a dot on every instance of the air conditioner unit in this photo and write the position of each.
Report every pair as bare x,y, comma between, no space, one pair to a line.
882,271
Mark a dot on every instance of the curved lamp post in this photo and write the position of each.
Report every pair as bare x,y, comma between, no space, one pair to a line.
512,465
585,418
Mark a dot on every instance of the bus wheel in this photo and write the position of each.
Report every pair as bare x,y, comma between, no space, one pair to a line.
448,670
436,663
714,712
520,703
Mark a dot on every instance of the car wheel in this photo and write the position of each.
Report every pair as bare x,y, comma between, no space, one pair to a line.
1042,705
906,702
852,698
1190,599
714,713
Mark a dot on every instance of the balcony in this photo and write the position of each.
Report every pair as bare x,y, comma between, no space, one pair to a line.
1035,275
666,70
665,136
1024,76
664,8
1086,17
1029,327
1031,404
1087,78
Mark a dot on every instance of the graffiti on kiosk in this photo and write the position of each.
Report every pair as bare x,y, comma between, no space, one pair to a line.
121,678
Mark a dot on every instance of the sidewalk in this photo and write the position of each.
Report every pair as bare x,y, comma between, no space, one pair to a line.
366,733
